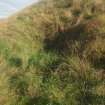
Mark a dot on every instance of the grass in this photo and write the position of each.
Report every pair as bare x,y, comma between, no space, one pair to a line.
53,53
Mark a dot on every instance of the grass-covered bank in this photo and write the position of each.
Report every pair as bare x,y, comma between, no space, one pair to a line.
53,53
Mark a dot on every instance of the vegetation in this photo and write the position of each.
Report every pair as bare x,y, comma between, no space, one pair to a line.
53,53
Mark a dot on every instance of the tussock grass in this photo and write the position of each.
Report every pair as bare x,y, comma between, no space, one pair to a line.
53,53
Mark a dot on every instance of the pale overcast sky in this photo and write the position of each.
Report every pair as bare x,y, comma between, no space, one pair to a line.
8,7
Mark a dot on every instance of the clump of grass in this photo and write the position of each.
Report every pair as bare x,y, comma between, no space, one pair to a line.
44,60
83,80
4,48
15,61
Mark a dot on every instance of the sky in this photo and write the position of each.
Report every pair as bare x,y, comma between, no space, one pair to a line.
8,7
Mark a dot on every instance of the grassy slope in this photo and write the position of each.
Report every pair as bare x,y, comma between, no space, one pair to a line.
53,53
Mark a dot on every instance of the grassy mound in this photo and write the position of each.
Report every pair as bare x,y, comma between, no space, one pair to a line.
53,53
